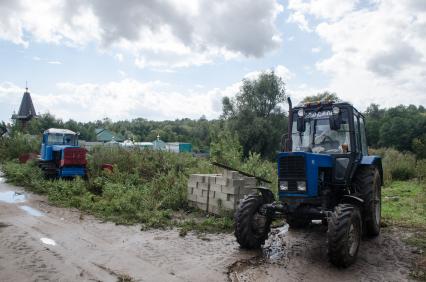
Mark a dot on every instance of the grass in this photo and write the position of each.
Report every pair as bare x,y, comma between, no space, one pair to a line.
146,187
404,204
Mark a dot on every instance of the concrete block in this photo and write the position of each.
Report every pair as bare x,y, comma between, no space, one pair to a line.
220,195
203,186
215,187
222,180
233,186
236,182
231,174
229,205
201,199
250,182
192,194
212,179
244,191
200,178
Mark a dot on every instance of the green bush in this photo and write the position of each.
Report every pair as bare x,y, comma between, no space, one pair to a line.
17,145
396,165
421,170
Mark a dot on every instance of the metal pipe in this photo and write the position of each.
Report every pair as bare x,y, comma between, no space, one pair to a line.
241,172
290,123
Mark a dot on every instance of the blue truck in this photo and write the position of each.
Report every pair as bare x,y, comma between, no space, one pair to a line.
61,156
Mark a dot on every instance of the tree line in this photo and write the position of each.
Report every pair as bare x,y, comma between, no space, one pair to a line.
257,117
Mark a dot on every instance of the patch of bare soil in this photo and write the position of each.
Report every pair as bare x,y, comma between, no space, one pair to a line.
301,255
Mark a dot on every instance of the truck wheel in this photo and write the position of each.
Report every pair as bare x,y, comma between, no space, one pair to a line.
251,227
369,185
296,223
344,235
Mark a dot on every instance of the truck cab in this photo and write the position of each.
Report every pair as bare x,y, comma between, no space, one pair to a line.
61,156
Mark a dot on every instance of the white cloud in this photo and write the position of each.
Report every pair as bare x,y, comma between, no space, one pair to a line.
123,99
378,52
284,73
127,98
35,58
325,9
122,73
279,70
156,32
299,19
54,62
316,50
119,57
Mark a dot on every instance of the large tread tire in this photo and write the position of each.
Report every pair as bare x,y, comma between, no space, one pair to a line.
251,228
368,184
297,223
344,235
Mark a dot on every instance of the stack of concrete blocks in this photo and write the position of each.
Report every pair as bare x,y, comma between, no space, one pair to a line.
216,193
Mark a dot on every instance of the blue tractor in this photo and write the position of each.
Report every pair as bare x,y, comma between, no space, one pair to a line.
61,155
324,173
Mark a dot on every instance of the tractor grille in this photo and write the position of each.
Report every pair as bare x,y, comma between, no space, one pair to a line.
292,169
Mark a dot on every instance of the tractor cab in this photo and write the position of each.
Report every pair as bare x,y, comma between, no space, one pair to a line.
326,139
61,155
55,139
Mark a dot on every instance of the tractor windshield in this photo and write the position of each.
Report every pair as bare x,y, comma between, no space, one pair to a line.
62,139
319,137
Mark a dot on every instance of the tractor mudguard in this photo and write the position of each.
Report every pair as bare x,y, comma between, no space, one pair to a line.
354,200
266,194
375,161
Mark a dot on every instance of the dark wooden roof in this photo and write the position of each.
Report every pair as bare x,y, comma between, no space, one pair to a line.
26,110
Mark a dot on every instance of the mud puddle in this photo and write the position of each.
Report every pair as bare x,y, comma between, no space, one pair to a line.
48,241
31,211
12,197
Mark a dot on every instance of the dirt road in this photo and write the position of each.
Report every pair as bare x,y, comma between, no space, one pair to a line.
39,242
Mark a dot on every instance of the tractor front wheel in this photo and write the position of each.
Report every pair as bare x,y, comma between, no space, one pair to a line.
344,235
251,227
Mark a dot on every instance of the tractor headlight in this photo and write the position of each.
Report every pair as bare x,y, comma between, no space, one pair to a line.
301,186
336,110
283,185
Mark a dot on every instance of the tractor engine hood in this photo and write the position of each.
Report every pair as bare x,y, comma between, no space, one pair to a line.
294,168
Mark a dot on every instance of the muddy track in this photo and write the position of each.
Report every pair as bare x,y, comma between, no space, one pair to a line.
39,242
302,256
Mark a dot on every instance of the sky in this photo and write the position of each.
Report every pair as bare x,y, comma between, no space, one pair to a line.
169,59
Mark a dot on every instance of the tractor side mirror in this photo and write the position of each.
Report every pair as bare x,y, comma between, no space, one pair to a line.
335,121
301,127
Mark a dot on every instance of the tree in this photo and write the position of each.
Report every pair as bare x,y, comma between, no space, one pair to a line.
324,96
255,114
419,146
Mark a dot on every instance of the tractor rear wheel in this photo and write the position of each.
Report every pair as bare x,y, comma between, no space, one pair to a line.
251,227
344,235
368,184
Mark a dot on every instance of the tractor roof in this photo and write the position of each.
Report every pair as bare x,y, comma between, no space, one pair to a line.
317,104
59,131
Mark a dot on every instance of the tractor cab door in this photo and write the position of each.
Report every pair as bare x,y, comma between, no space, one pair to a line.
359,144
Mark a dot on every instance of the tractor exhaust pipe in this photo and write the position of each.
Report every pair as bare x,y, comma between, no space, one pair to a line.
288,141
290,116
